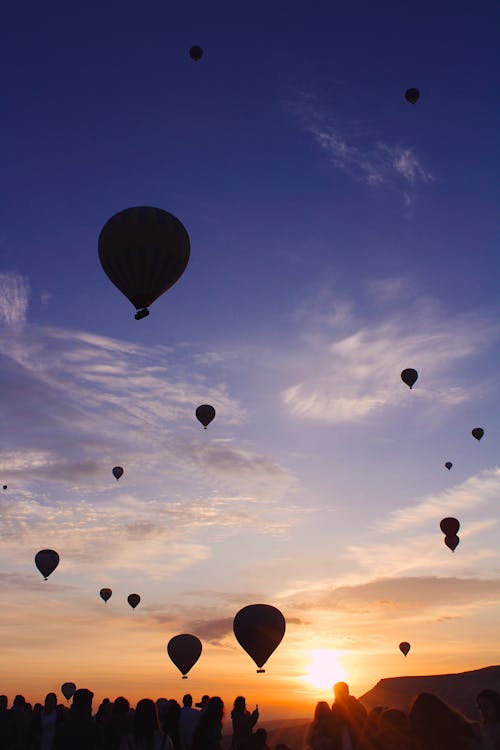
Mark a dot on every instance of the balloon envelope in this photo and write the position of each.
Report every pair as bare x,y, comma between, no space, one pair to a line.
412,95
448,465
143,251
259,629
409,376
46,561
105,594
67,689
204,414
449,526
133,600
478,433
184,650
404,647
117,472
452,542
196,53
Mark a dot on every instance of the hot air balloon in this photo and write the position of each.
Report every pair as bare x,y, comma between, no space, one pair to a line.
412,95
133,600
144,251
105,594
5,486
204,414
448,465
452,542
68,689
184,650
449,526
409,376
117,472
478,433
404,647
196,53
46,561
259,629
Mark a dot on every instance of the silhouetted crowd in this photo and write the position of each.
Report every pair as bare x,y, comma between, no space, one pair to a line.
166,725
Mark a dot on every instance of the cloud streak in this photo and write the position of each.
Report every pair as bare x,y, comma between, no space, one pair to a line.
14,297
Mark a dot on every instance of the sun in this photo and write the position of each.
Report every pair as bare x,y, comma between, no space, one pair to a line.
324,669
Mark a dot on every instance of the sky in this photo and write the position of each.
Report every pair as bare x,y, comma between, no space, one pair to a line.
338,235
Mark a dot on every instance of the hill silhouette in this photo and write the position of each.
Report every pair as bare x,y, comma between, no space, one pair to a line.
459,690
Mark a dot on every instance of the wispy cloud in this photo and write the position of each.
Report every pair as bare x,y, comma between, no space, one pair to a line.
14,297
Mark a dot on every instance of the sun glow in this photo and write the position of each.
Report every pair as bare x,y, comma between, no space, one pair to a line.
324,669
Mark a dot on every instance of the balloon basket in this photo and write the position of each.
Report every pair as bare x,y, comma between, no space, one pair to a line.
261,671
140,314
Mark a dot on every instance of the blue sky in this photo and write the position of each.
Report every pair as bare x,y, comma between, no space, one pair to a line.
338,235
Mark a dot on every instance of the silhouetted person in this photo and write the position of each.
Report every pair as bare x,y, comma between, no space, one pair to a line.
146,733
243,723
79,731
394,731
22,719
203,703
7,725
437,726
118,725
258,740
44,724
208,732
188,720
171,722
488,704
348,716
320,735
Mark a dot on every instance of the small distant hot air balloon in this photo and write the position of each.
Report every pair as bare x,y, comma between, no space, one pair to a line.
409,376
105,594
477,432
117,472
204,414
143,251
448,465
196,53
259,629
5,486
452,542
184,650
68,689
412,95
404,647
449,526
46,561
133,600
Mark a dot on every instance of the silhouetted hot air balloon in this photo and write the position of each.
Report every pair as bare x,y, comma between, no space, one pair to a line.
144,251
452,542
196,53
412,95
204,414
5,486
449,526
448,465
68,689
404,647
184,650
105,594
46,561
259,629
478,433
117,472
133,600
409,376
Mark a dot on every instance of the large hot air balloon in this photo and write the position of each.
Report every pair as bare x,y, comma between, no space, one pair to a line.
196,53
144,251
117,472
68,689
204,414
133,600
404,647
46,561
412,95
105,594
449,526
448,465
452,542
259,629
409,376
184,650
478,433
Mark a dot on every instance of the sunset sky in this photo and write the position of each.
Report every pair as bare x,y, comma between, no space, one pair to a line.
338,235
